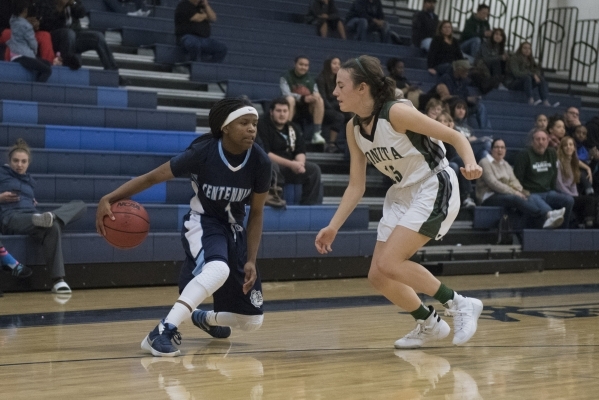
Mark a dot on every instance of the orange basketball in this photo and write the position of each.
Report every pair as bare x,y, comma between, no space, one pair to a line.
130,226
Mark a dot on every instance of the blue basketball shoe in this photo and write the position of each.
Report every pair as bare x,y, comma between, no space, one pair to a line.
158,342
198,317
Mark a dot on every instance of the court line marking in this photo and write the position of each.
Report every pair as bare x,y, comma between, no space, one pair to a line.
339,350
320,303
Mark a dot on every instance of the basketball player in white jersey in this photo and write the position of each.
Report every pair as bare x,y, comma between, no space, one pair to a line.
424,200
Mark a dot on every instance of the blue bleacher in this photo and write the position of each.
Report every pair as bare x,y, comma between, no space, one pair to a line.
14,72
74,94
26,112
96,138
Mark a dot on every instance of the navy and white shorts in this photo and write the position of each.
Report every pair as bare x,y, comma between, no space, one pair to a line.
207,239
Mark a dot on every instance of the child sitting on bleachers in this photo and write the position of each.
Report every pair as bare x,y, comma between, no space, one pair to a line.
23,45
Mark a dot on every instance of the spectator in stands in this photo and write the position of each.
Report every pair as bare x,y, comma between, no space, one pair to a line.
61,19
43,38
475,30
587,155
303,96
411,91
444,50
22,43
140,8
536,169
491,62
571,120
498,186
481,146
19,216
593,133
367,16
333,119
523,73
324,15
434,108
456,162
10,264
424,25
556,130
568,177
284,143
455,82
540,123
192,28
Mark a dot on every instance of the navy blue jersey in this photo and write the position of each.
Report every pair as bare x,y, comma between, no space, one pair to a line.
222,187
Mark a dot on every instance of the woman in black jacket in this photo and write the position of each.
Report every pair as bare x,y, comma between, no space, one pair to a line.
444,50
19,216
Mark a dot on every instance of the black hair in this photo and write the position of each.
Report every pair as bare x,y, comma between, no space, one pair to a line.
551,121
495,141
367,69
299,57
327,72
454,104
279,100
221,110
19,5
392,62
482,7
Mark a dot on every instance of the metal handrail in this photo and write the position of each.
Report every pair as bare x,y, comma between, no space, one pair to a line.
562,41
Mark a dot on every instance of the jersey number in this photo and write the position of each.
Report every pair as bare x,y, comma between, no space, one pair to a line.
397,175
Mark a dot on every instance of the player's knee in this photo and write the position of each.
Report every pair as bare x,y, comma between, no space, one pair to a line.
375,275
251,323
213,275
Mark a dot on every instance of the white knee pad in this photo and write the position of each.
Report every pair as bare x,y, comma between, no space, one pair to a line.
213,275
250,323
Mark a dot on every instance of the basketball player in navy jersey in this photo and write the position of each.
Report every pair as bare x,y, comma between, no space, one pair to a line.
228,171
421,205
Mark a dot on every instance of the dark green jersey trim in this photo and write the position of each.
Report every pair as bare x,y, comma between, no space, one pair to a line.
432,225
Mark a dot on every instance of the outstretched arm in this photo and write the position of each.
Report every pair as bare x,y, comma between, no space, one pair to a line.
351,196
128,189
406,118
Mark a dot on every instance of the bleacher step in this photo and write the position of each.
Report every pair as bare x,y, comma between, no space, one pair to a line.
479,267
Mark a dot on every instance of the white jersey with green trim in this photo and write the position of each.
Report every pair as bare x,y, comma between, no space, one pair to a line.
406,158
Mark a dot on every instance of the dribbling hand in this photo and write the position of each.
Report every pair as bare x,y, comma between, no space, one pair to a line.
103,210
471,171
324,239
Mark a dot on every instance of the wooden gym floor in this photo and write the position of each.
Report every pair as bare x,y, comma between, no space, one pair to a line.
537,339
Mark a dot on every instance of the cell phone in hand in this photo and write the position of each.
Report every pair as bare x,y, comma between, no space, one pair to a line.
16,192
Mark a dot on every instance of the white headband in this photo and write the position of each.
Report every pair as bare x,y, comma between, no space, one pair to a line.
238,113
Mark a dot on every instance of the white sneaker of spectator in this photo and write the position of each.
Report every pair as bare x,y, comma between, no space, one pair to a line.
318,139
554,218
139,13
